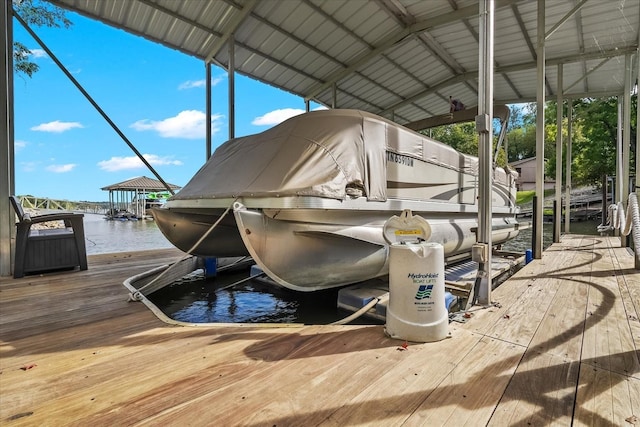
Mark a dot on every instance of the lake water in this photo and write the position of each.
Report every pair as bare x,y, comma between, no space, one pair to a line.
104,236
206,300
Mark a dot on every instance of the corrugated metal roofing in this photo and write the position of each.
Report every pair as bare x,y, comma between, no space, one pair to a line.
398,58
140,183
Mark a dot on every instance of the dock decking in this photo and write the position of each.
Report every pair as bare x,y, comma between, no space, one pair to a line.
560,346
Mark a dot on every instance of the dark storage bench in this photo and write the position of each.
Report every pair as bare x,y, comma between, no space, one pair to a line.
48,249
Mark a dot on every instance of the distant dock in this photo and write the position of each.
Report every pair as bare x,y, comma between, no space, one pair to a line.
31,202
560,346
584,206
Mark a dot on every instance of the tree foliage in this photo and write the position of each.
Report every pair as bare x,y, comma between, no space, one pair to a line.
464,138
39,14
593,138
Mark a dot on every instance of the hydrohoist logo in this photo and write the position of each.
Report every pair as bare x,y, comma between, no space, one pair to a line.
424,291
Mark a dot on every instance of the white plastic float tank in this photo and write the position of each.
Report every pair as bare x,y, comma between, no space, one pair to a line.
417,310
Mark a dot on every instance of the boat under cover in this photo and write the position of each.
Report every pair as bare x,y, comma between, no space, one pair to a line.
308,198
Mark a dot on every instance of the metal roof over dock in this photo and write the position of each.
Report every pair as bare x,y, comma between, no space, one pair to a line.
398,58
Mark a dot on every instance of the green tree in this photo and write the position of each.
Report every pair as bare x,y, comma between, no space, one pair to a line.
460,136
40,14
598,119
594,136
522,142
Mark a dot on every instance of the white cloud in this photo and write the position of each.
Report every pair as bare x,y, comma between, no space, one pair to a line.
57,126
190,84
189,124
38,53
61,168
133,162
19,144
276,116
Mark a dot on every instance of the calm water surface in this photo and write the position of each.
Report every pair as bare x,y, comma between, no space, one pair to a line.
103,236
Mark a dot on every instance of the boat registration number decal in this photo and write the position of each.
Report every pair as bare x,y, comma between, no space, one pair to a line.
416,232
399,158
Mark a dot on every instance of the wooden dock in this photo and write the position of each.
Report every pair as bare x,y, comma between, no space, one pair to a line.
560,347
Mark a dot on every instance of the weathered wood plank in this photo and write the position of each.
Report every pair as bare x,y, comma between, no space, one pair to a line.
608,338
469,394
629,287
541,392
405,383
605,397
103,361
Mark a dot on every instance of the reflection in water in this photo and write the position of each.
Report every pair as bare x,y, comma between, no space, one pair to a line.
206,301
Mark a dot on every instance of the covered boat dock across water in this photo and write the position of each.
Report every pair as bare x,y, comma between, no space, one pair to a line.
130,199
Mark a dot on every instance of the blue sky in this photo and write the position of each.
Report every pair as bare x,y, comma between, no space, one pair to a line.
155,95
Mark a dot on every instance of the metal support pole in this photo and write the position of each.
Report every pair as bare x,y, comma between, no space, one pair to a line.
637,261
567,188
556,238
605,193
619,158
484,125
232,86
626,138
7,164
334,96
540,101
534,228
557,211
208,109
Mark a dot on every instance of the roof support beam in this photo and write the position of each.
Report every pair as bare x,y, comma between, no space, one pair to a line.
465,12
565,18
580,35
579,95
510,68
523,30
231,29
584,76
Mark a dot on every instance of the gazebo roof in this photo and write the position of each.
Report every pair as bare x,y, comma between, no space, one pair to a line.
140,183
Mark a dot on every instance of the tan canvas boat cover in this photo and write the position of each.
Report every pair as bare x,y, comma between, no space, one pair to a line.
317,154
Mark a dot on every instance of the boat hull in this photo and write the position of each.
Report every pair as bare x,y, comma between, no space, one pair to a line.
309,256
307,247
184,228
